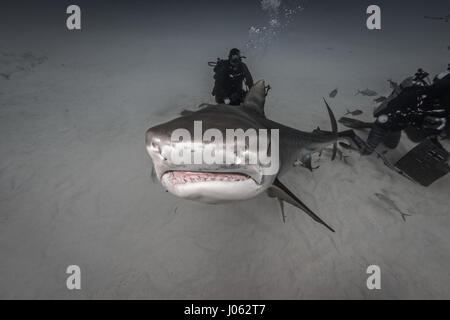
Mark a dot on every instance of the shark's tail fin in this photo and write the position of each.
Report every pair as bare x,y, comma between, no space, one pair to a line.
334,127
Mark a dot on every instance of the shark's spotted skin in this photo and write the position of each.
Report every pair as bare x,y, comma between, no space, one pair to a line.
241,180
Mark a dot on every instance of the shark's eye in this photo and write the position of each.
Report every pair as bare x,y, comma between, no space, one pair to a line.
156,147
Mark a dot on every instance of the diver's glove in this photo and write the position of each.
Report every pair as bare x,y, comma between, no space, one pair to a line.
376,136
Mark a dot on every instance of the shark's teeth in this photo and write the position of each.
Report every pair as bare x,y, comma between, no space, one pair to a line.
182,177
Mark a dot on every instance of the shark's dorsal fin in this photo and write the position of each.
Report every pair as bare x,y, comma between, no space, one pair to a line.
334,128
280,191
256,97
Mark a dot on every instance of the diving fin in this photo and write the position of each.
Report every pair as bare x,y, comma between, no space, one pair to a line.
283,193
355,124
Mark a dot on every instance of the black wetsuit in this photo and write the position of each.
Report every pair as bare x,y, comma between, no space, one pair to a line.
411,111
228,81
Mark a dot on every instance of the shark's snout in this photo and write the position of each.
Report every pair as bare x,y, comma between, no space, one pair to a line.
155,147
155,141
159,149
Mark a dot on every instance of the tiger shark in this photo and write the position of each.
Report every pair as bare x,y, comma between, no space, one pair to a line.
240,180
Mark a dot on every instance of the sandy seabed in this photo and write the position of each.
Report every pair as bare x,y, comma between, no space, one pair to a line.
75,184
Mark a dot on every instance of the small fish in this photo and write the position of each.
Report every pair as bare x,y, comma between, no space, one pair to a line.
380,99
6,76
392,84
307,163
445,18
367,92
333,93
392,205
354,113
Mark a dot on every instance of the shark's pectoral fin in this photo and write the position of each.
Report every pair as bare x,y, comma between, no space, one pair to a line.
280,191
273,193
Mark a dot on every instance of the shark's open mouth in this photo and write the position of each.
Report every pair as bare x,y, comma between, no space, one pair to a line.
183,177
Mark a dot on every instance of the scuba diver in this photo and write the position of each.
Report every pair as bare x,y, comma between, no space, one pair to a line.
229,76
420,108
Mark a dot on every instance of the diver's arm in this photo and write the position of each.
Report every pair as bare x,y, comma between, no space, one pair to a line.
380,130
376,136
